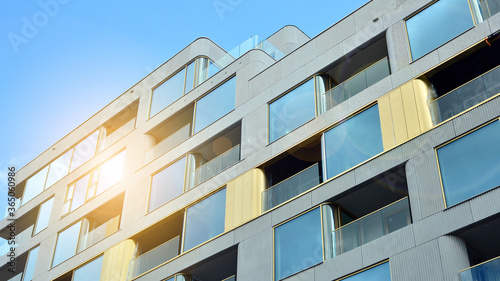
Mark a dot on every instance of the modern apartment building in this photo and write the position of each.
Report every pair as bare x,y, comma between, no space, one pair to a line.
369,152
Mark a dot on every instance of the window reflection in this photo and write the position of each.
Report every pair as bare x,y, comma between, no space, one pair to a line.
291,110
90,271
205,220
298,244
44,215
67,241
30,264
352,142
59,168
470,165
446,18
35,185
167,184
168,92
381,272
215,104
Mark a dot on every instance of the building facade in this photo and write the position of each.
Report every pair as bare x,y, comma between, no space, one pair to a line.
369,152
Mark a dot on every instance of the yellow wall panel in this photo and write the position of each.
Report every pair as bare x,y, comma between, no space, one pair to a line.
384,110
398,116
238,199
116,261
229,221
410,109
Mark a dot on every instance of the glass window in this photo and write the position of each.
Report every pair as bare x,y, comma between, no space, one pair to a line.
352,142
84,151
79,193
470,165
205,220
190,77
30,264
168,92
34,185
214,105
167,184
90,271
445,18
44,215
110,172
59,168
67,241
298,244
380,272
291,110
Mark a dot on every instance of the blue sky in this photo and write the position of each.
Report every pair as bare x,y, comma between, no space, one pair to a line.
61,61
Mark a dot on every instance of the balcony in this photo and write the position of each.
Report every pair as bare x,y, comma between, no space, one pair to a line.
487,271
154,257
214,166
466,96
291,187
99,233
169,142
356,83
372,226
18,277
254,42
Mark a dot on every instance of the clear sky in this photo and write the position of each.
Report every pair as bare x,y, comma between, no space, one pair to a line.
61,61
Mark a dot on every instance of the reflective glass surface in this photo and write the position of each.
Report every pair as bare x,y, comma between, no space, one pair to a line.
110,172
34,185
44,215
216,104
168,92
488,271
67,241
80,192
84,151
59,168
470,165
30,264
298,244
205,220
167,184
90,271
380,272
437,24
291,110
353,141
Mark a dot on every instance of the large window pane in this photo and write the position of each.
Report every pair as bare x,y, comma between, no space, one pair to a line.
167,184
35,184
84,151
291,110
30,264
445,18
216,104
80,192
470,165
90,271
352,142
380,272
298,244
168,92
67,241
190,77
59,168
110,172
44,215
205,220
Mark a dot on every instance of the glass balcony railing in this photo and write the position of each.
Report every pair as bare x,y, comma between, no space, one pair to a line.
215,166
486,271
99,233
372,226
254,42
168,143
356,83
484,9
154,257
291,187
466,96
232,278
